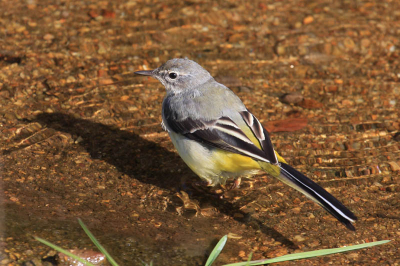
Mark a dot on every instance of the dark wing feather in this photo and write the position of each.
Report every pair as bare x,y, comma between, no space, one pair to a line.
261,134
221,133
297,180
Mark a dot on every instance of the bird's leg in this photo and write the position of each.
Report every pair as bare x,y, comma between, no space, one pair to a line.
235,184
205,187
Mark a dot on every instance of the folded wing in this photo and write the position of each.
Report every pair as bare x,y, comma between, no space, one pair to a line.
225,134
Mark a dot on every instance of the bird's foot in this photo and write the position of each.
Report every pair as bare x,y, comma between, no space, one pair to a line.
232,185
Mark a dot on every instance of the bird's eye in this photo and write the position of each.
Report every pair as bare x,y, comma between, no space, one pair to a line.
172,75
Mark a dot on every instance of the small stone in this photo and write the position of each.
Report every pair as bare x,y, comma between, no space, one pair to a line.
314,244
102,73
32,24
308,20
157,224
20,29
102,49
106,81
296,210
71,79
233,236
296,201
278,252
93,14
242,254
332,88
48,37
28,252
280,50
347,102
353,255
299,238
365,42
394,166
292,97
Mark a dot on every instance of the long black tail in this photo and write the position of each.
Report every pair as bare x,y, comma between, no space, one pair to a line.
300,182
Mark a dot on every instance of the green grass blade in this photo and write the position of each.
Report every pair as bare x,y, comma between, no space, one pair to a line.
217,249
47,243
309,254
249,259
100,247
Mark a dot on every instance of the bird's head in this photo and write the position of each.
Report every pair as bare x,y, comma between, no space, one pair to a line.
179,74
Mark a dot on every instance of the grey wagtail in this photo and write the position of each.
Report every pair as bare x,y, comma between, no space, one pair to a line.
218,138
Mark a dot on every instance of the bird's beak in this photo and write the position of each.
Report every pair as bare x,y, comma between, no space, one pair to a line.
145,72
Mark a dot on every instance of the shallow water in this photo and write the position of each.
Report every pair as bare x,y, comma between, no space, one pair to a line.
81,136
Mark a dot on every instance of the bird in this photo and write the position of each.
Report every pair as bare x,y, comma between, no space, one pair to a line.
219,138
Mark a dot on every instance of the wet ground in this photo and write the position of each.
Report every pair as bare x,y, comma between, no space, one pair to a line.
81,136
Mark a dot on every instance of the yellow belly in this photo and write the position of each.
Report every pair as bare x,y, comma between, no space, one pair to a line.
231,162
216,165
